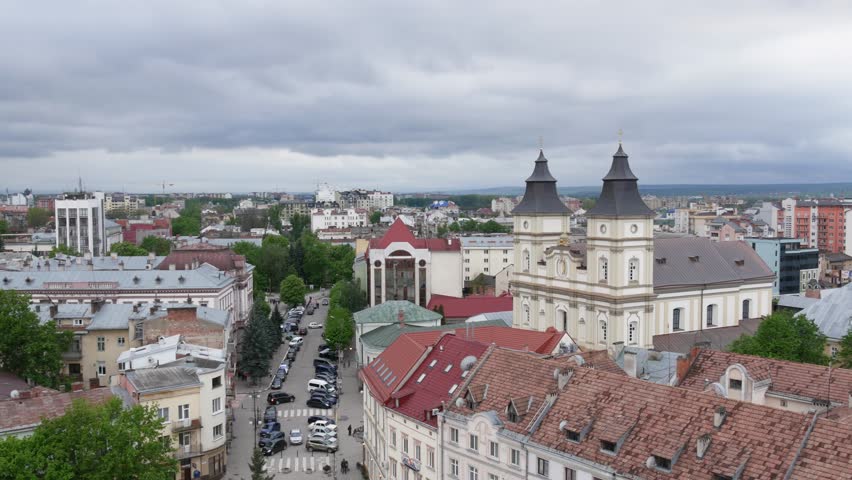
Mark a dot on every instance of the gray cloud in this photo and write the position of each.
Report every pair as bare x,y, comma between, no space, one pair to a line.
245,96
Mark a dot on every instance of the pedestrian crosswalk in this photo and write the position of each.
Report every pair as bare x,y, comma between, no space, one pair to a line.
303,412
302,463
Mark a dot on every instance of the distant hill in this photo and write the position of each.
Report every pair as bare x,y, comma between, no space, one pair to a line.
763,190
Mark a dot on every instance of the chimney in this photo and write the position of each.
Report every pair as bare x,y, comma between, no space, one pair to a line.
54,309
719,417
121,266
401,318
97,303
618,348
113,255
702,445
684,363
151,256
631,366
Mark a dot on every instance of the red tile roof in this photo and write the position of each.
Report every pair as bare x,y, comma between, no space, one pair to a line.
515,338
790,378
419,398
389,369
399,232
28,412
220,257
650,419
470,306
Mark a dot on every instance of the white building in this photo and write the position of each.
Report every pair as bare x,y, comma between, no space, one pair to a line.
368,199
123,201
325,193
503,205
325,218
622,285
81,223
166,350
487,255
789,207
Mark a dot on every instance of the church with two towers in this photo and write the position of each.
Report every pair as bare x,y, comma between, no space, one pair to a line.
622,284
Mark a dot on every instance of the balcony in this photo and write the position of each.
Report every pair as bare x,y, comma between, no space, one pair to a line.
188,451
186,425
72,355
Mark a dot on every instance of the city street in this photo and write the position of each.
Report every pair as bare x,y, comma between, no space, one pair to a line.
296,461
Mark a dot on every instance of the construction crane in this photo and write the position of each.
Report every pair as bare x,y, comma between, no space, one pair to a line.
164,185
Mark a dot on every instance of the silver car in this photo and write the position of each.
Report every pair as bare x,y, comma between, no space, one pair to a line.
296,437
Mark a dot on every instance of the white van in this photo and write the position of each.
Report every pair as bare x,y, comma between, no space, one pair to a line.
316,383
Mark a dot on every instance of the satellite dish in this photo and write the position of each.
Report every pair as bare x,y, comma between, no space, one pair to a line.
467,362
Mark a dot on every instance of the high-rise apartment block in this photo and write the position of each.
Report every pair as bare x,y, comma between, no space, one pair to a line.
80,222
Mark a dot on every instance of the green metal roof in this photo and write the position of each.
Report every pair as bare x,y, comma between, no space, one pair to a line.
382,337
388,312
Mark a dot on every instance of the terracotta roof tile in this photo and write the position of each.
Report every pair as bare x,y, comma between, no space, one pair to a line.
399,232
389,369
828,453
470,306
28,412
788,378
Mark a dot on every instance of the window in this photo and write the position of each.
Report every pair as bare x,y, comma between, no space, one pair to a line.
603,331
527,314
218,431
430,457
183,411
417,450
608,446
604,269
101,369
120,341
515,457
485,260
495,450
393,469
122,366
466,260
526,260
676,319
404,443
572,436
543,467
467,269
184,439
632,328
78,322
163,414
746,308
393,438
633,270
735,384
454,467
474,442
834,351
473,473
783,403
101,344
663,463
217,405
217,381
454,435
492,476
570,474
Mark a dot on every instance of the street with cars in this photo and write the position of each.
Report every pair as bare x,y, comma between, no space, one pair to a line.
300,416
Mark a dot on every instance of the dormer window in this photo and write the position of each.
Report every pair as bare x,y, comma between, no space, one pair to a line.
735,384
608,447
663,463
512,414
572,436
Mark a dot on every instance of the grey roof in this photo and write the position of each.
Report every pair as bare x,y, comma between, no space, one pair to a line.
502,241
213,315
540,195
109,316
151,380
202,364
652,365
620,193
496,317
695,261
64,263
204,277
796,300
837,257
383,336
718,338
832,313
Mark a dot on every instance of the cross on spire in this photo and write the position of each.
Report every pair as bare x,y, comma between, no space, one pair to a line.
620,134
540,142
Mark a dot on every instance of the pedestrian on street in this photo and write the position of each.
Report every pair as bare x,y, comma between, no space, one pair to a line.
350,429
343,465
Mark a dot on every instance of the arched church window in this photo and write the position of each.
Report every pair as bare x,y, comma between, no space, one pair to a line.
632,332
746,308
526,260
633,270
527,314
603,331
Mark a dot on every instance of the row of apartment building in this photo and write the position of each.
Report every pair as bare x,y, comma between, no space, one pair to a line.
476,408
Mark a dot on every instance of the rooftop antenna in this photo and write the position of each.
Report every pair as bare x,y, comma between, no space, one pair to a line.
620,135
80,183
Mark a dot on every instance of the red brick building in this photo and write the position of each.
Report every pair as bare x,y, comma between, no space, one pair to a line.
821,224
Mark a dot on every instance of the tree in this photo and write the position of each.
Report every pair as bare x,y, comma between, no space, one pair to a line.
844,356
28,348
293,290
298,223
454,227
92,441
186,225
315,262
339,327
347,294
127,249
785,337
158,245
273,215
376,217
4,228
37,217
588,203
256,466
63,249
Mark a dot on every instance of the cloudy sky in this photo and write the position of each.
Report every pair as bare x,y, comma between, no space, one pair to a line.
241,96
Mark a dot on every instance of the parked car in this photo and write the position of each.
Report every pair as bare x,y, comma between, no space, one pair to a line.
325,363
328,354
325,368
269,435
297,342
326,429
275,398
317,402
291,354
274,447
322,444
319,384
320,418
314,325
325,301
322,422
276,383
303,331
270,415
322,347
296,437
269,428
282,371
310,311
329,377
325,396
271,438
